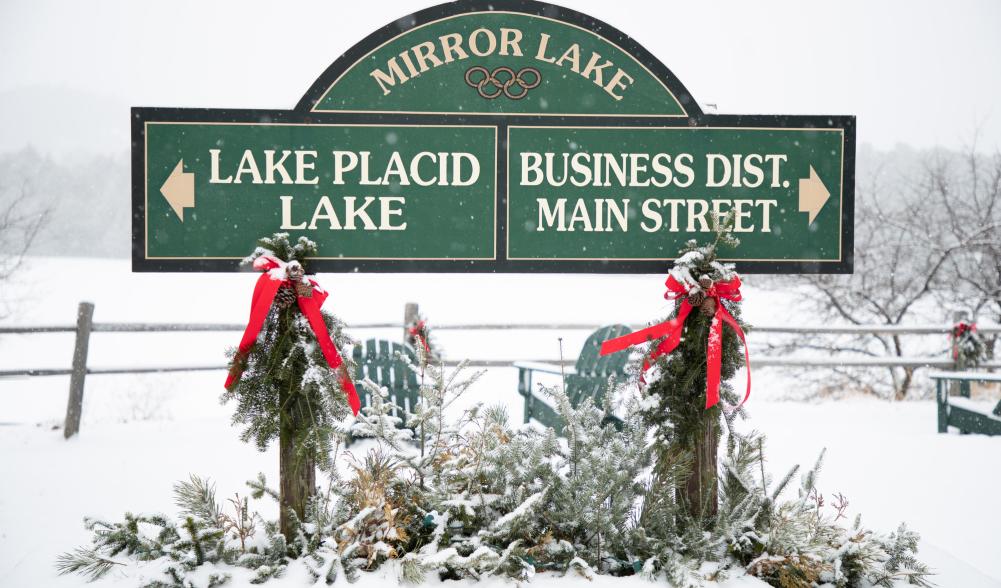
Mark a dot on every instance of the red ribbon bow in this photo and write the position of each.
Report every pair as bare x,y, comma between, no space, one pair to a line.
419,332
671,332
960,328
273,278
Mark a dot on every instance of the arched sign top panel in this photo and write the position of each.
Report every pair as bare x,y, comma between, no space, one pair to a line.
503,58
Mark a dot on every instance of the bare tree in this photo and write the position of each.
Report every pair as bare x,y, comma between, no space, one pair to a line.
968,188
21,220
904,249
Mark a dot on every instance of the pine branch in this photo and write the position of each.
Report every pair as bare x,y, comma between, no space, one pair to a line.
784,482
87,562
259,488
196,498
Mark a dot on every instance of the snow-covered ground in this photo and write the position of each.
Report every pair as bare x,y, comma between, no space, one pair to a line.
141,433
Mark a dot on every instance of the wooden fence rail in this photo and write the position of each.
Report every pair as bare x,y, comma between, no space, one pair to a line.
226,327
86,325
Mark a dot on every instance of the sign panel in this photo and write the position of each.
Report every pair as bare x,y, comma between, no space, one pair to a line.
626,194
503,136
362,192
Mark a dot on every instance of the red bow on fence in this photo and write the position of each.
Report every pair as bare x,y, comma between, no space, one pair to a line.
671,331
419,332
958,331
309,300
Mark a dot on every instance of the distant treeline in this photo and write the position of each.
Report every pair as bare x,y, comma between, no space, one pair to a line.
87,201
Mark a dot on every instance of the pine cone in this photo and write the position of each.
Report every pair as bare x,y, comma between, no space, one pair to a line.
304,289
285,297
709,306
696,298
294,271
705,282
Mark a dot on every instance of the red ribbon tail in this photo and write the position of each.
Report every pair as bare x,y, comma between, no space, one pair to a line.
260,305
670,328
311,309
349,389
721,316
617,344
714,350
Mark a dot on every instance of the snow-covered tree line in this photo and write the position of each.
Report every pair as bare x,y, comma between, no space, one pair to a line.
22,217
88,199
90,193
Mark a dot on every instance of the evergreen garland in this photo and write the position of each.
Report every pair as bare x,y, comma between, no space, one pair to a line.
285,379
968,346
686,433
288,392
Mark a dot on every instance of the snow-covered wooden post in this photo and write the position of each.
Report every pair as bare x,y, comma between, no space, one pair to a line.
958,316
287,376
410,317
74,406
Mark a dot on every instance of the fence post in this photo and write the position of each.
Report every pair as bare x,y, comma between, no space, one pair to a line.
955,386
958,316
74,407
410,314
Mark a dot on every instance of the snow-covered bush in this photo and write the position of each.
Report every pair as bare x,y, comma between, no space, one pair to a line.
501,501
801,542
473,497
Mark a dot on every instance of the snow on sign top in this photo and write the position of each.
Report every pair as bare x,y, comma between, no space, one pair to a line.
466,58
509,136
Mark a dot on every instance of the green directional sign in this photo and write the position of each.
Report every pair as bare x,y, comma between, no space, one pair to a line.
504,136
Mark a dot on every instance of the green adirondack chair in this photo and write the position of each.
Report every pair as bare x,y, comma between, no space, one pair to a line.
376,360
959,411
587,379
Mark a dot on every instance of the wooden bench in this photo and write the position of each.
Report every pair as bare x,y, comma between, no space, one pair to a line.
587,379
376,360
960,411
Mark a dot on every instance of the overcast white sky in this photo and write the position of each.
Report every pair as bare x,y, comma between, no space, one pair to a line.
922,73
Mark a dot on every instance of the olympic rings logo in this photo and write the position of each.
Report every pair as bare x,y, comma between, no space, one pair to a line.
503,80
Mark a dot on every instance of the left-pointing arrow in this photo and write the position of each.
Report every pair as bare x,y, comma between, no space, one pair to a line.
179,189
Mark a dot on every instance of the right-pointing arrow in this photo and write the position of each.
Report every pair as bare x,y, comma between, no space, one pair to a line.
813,195
179,189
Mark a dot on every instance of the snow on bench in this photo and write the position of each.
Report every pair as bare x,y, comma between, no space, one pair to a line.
967,375
973,406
